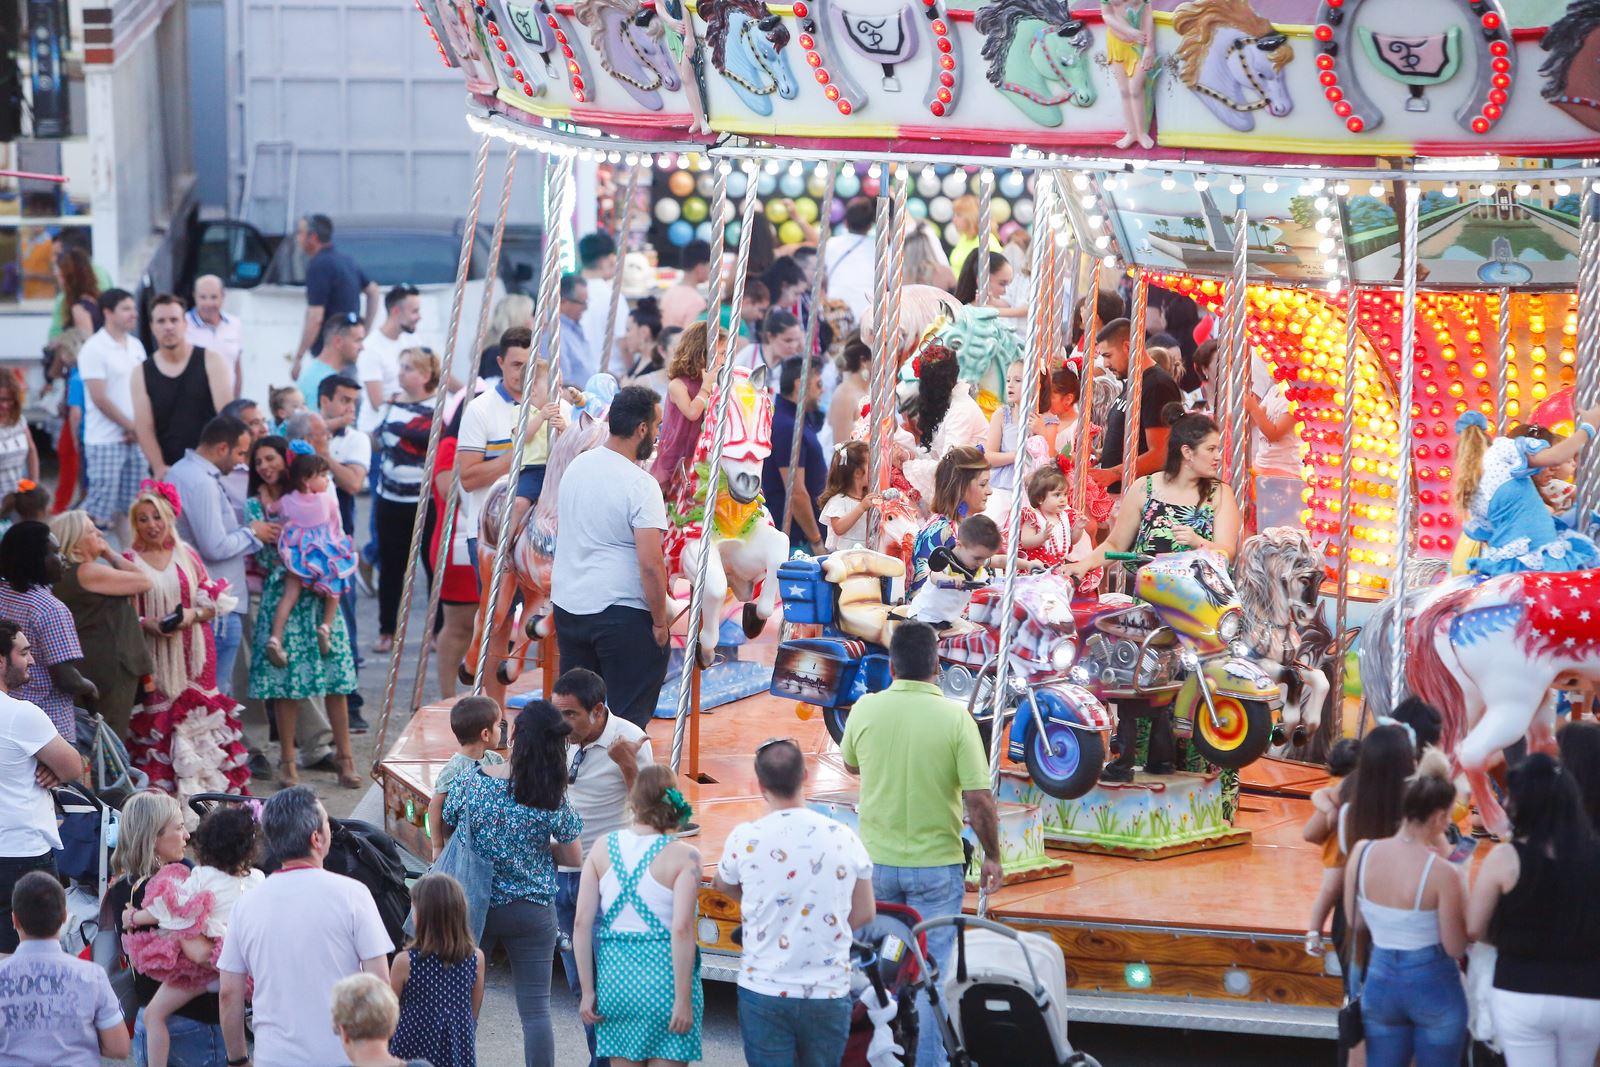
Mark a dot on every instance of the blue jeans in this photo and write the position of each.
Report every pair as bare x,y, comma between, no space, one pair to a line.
792,1031
932,891
230,635
1413,1005
566,912
193,1044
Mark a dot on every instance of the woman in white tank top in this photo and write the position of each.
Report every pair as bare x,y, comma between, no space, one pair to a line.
1413,1005
638,964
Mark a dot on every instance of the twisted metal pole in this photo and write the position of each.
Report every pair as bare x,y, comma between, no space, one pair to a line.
1586,392
1081,457
560,177
985,215
608,342
435,433
1136,358
719,434
884,350
1408,360
897,247
1347,430
1502,379
813,324
1038,331
1238,365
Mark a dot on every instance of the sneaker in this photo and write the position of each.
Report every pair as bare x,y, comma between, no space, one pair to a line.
1114,772
358,725
326,763
364,579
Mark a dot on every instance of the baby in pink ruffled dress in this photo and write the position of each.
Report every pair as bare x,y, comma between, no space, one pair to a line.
176,937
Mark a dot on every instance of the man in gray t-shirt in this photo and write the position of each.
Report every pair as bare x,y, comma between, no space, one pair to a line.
609,580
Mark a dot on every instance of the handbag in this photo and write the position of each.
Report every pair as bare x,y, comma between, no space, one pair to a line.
1351,1030
461,861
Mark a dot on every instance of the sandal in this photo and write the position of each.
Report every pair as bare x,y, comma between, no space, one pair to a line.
325,639
348,778
288,775
384,643
275,653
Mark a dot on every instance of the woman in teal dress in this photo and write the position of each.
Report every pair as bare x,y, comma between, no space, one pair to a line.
638,964
309,673
1185,508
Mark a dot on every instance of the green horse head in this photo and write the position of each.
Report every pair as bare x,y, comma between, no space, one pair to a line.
984,348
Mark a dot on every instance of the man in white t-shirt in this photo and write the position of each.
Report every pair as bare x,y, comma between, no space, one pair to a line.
604,754
483,447
609,580
378,365
803,883
597,256
33,757
295,936
850,267
113,462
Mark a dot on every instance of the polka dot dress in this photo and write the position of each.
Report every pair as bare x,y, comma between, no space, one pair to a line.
436,1022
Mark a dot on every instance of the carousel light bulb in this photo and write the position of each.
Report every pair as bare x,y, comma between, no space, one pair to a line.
1322,203
796,169
874,171
1201,184
1563,189
1097,222
1450,190
1323,225
1080,180
1103,241
1270,185
1332,286
1109,261
1109,184
1375,190
632,159
1325,245
1486,189
725,167
1236,186
1523,189
1168,182
1331,264
1088,200
1318,184
1342,188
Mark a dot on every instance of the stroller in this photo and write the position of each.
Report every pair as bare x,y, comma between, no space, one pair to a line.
999,997
883,966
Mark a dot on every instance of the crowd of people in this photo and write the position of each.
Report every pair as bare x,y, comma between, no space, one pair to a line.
195,573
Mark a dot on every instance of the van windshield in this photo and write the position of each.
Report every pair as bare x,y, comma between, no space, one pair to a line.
389,257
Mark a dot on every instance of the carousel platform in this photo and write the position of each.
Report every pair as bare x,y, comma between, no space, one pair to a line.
1206,940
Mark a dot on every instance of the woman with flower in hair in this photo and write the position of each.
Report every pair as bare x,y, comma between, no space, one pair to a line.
1501,506
638,964
186,735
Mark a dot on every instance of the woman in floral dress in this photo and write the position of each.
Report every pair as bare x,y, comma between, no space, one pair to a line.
309,672
186,735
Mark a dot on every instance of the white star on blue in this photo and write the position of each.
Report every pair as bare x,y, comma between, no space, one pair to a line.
1474,626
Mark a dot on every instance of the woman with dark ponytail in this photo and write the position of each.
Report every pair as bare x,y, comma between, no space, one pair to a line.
1185,508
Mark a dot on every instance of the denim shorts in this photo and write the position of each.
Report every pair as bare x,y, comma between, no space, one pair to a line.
1413,1008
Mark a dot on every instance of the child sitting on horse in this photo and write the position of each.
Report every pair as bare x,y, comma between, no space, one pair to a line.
1494,487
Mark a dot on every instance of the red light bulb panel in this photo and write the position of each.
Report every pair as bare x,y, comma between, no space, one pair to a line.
429,9
1342,49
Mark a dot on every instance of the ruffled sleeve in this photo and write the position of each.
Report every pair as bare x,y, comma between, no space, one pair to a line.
1527,448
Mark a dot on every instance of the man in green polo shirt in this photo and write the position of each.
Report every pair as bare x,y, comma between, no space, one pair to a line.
921,760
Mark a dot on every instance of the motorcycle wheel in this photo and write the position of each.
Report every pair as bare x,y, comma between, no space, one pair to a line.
1241,735
1064,762
834,719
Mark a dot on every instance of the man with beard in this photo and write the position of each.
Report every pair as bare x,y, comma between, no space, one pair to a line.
609,582
378,366
33,759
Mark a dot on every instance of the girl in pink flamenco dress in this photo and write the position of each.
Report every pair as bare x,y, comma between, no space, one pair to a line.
314,548
177,936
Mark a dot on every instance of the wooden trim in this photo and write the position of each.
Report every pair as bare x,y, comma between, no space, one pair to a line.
1206,982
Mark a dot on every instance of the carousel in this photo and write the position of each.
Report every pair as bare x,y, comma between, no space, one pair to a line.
1385,226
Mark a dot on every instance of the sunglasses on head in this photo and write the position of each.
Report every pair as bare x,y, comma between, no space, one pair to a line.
769,742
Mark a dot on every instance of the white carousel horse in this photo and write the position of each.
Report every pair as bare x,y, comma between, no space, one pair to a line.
630,42
1234,60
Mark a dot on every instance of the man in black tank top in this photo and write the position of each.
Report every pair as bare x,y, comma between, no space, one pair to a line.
179,389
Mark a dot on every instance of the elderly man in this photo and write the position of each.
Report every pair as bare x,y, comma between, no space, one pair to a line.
209,523
295,936
579,358
334,288
207,326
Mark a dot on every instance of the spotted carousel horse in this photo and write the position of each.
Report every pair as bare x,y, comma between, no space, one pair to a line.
541,48
1234,60
533,553
1039,56
747,42
749,546
1279,574
630,43
1486,653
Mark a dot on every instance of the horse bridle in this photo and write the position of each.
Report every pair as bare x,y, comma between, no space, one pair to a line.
1070,30
766,25
1269,42
642,20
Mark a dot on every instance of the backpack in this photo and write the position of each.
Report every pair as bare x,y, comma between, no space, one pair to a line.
370,856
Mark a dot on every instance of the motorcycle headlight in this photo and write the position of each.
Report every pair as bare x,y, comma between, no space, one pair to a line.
1016,689
1079,675
1231,626
1061,657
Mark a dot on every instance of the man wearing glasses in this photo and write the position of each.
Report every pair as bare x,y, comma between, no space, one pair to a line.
578,359
604,754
